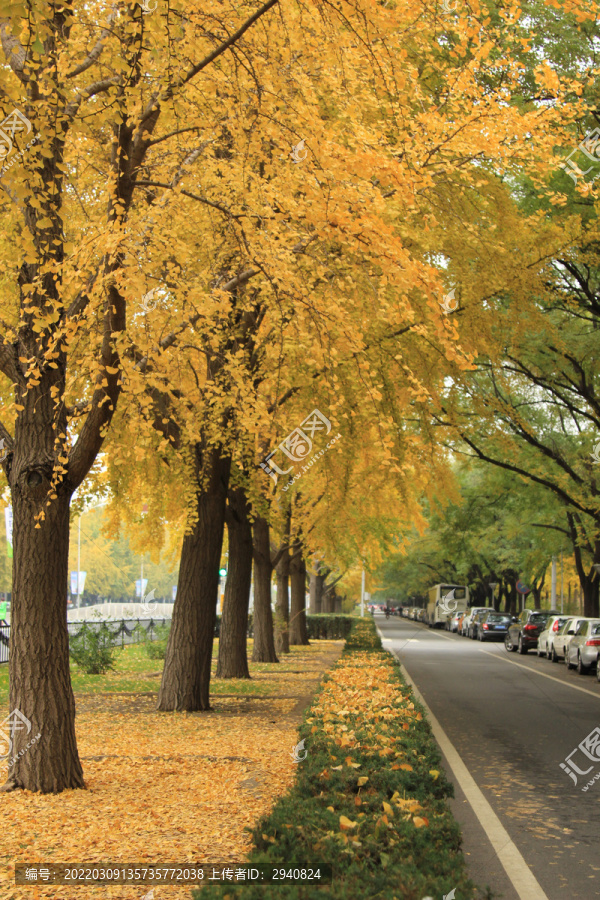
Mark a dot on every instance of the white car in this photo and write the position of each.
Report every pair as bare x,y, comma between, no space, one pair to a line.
470,613
546,638
584,647
563,637
452,623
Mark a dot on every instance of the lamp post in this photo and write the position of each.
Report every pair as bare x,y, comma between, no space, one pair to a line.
562,595
362,594
492,585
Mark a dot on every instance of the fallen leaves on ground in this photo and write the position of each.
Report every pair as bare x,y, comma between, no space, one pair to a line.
163,787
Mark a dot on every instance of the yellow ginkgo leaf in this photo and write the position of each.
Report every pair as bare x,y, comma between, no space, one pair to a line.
346,824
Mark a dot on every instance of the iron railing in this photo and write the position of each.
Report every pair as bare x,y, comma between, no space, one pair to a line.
131,631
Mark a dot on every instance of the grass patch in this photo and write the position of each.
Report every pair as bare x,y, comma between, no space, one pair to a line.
135,672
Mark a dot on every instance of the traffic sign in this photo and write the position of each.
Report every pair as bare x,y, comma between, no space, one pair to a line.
522,588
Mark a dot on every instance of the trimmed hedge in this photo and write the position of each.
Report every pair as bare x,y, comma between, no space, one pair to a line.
321,627
329,627
369,798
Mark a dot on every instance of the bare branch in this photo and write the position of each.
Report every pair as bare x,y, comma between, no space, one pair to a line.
220,49
99,87
170,187
95,53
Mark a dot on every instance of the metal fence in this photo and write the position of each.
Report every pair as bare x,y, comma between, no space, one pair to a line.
130,631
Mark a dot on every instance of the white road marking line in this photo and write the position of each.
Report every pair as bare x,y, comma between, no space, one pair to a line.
519,873
511,662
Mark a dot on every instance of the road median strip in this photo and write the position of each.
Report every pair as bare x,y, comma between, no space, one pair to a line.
369,799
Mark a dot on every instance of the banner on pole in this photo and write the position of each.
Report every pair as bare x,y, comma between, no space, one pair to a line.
139,590
74,582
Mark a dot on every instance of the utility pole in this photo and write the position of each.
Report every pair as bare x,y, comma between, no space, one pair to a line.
362,594
78,560
553,589
561,583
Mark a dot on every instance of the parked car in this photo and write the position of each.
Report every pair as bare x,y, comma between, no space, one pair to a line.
564,636
460,619
582,650
420,617
492,626
475,621
546,638
470,613
524,631
452,623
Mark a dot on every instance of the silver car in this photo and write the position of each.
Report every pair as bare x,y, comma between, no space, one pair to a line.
584,646
564,636
469,617
452,623
546,638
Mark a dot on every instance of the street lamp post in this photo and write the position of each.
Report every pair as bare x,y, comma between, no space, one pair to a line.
492,585
78,560
362,594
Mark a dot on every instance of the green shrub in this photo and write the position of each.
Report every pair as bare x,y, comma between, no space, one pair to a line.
157,649
392,764
329,627
93,649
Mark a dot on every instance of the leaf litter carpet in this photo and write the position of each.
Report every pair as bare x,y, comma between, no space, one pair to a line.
164,787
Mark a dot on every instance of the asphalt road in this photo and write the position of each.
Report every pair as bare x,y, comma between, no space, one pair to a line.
511,727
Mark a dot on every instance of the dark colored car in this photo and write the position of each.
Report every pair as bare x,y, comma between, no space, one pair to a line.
476,619
523,633
492,626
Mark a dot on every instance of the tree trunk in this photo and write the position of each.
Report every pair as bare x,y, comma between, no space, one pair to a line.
590,596
233,658
264,646
282,606
186,675
316,593
39,676
298,630
588,582
328,603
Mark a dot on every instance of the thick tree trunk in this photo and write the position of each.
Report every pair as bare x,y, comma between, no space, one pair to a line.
264,645
589,582
282,605
186,675
233,658
39,676
298,630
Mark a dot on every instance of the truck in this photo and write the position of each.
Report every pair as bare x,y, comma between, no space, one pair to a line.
445,600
